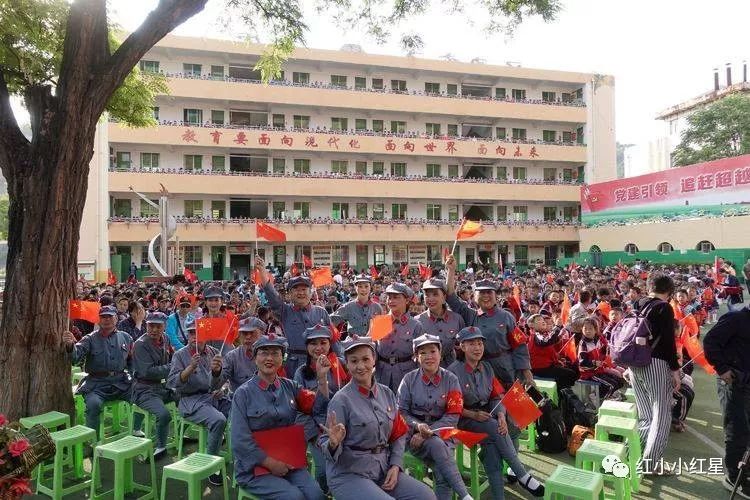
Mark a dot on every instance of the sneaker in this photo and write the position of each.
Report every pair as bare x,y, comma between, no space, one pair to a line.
139,434
216,479
159,452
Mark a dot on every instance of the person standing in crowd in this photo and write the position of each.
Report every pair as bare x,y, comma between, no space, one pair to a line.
151,366
133,323
653,384
357,313
238,365
727,348
365,435
439,321
395,354
176,331
105,355
296,316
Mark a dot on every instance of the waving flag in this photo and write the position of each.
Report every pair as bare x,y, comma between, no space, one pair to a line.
111,278
468,438
519,405
81,309
189,275
374,272
469,229
268,232
404,270
380,326
565,309
306,261
321,277
694,349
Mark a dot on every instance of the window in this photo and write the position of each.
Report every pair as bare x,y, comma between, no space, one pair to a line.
192,116
567,136
398,127
361,210
432,88
300,78
301,121
150,66
519,173
452,212
549,136
379,254
339,123
360,124
665,248
550,213
217,72
453,130
278,121
377,125
378,211
155,112
502,173
338,80
549,96
452,171
568,214
191,69
567,174
193,208
340,211
339,166
398,85
192,162
398,169
302,209
360,82
399,253
378,168
521,255
432,128
218,209
377,84
518,94
360,167
149,211
301,166
122,208
279,165
550,174
451,89
579,135
705,247
340,253
398,211
566,97
520,213
502,213
500,93
218,163
278,208
433,170
192,256
217,116
433,211
149,160
501,133
519,134
579,93
631,249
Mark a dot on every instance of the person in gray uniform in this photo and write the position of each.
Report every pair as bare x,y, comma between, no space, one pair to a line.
105,354
358,312
365,435
150,369
430,399
238,366
196,375
438,320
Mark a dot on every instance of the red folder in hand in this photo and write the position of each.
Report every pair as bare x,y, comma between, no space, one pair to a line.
286,444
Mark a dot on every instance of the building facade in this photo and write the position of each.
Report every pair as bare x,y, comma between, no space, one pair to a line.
360,159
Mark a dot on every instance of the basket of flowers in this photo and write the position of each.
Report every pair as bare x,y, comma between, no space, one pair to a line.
20,452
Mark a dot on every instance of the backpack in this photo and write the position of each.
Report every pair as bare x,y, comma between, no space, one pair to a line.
574,411
629,341
577,437
550,429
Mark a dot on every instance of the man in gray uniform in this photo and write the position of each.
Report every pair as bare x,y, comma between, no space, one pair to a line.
150,369
357,313
437,320
238,365
105,354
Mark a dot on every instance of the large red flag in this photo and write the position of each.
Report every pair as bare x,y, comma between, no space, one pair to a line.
81,309
321,277
216,329
520,406
268,232
468,229
694,349
468,438
565,309
189,275
286,444
380,326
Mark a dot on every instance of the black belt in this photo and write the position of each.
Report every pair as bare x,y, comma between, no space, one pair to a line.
148,382
394,360
479,407
427,419
105,374
378,449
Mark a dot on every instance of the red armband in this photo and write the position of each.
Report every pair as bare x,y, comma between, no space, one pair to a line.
517,338
454,402
399,428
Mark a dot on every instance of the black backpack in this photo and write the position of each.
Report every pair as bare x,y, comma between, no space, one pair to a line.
574,411
551,436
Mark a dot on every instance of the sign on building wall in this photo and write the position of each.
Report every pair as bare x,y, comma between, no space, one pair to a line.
720,187
417,254
321,255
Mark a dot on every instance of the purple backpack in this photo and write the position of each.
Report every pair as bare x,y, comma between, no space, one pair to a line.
629,342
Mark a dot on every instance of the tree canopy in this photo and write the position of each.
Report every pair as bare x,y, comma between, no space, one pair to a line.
720,130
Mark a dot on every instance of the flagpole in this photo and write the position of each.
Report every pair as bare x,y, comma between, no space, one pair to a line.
566,344
224,342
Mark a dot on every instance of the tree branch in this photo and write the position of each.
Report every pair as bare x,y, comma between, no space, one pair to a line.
12,141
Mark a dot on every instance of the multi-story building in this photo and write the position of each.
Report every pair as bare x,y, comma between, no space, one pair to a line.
358,158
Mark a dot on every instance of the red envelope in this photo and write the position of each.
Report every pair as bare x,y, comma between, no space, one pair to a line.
286,444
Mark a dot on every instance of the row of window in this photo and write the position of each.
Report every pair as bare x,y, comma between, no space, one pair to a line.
666,247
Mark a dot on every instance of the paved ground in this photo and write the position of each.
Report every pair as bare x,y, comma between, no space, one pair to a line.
703,440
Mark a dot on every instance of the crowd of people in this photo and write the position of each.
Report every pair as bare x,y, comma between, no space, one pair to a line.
305,368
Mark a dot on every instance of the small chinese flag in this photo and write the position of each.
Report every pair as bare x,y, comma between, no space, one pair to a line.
256,277
322,276
569,350
189,275
678,314
404,270
694,349
381,326
81,309
306,261
468,229
268,232
565,309
622,275
190,297
468,438
690,326
111,278
337,370
572,266
520,406
212,329
374,272
604,308
294,270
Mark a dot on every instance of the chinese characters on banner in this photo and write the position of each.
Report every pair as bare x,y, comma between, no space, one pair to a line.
688,184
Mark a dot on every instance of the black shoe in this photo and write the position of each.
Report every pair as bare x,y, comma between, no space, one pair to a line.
160,453
537,492
216,479
510,477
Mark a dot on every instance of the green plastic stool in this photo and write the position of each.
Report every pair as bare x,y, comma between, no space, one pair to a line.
627,428
528,437
478,482
570,482
548,386
67,463
149,423
122,452
630,395
187,426
192,470
80,408
51,421
117,413
590,455
244,494
618,409
415,466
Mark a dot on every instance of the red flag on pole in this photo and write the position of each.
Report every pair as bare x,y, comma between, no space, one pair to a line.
81,309
268,232
294,270
380,326
306,261
111,278
374,272
404,270
468,438
468,229
322,276
214,329
520,406
565,308
189,275
569,350
694,349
